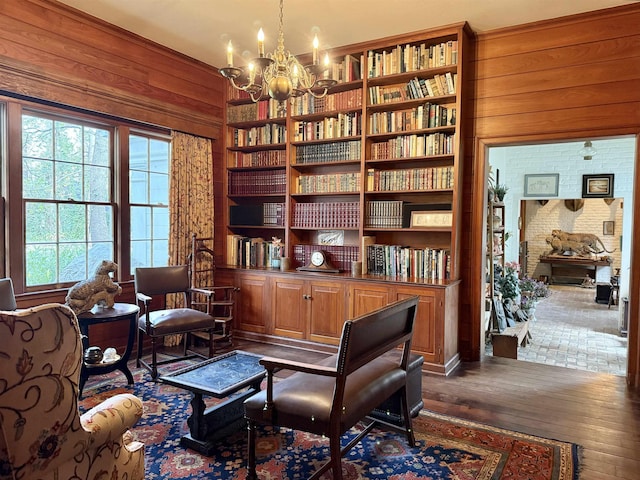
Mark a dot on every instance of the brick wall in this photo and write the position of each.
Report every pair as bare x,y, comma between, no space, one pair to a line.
614,155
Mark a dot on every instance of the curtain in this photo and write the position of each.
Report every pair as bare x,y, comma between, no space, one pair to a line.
190,200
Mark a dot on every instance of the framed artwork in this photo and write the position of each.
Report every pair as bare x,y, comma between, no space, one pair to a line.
608,227
431,219
541,185
597,186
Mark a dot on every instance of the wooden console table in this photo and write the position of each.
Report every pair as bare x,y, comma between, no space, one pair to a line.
572,269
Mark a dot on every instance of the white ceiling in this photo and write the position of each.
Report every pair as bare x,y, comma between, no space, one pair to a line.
202,28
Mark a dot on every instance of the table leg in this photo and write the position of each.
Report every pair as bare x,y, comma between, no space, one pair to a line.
197,425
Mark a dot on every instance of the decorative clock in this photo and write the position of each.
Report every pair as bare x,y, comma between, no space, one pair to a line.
319,263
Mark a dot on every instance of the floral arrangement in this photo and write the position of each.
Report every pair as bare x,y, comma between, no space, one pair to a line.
532,290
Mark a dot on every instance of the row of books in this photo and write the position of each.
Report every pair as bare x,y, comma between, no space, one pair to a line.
273,213
344,125
349,69
384,214
409,58
410,179
414,146
429,115
340,256
326,215
437,86
308,104
328,152
263,110
329,183
262,158
252,252
431,264
264,135
257,182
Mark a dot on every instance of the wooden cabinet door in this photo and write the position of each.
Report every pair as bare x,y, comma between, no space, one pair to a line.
365,298
252,305
428,329
290,308
326,312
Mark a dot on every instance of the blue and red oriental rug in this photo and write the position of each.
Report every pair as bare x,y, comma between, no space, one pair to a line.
448,448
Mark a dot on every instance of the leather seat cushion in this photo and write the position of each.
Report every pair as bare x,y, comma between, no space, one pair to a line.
303,401
175,320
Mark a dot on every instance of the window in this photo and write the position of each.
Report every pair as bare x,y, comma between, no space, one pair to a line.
149,198
67,190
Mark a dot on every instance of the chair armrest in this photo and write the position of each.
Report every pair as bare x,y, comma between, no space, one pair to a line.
208,291
143,298
112,418
271,363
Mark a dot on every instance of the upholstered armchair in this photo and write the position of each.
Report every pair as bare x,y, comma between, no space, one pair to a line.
42,434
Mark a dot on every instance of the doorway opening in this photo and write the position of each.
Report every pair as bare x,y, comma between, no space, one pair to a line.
571,328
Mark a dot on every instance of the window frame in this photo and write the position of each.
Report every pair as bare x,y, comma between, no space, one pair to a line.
11,110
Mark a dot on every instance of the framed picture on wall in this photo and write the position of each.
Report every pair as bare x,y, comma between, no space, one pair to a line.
541,185
608,227
597,186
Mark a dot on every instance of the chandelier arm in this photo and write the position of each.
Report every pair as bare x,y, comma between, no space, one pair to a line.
318,95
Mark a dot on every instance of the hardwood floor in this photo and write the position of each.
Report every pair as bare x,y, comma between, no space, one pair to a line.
593,410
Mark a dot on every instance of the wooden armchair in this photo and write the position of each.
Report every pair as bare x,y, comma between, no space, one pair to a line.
221,304
42,433
330,398
156,321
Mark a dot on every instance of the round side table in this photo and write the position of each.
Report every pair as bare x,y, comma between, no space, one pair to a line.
97,315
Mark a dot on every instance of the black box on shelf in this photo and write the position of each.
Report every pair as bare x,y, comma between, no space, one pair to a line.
246,215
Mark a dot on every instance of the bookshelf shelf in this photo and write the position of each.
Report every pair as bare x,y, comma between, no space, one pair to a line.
258,123
253,195
257,148
325,140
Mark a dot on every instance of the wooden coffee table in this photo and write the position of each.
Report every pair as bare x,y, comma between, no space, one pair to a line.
233,377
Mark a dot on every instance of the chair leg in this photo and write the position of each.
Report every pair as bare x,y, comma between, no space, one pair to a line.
251,440
140,338
336,456
154,359
212,346
406,413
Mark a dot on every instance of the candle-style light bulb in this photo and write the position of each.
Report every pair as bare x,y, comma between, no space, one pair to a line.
315,50
251,72
294,76
260,43
326,65
230,54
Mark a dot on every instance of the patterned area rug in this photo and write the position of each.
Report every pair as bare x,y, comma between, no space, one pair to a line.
448,448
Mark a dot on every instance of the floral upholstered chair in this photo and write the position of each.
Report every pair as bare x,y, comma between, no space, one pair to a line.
42,434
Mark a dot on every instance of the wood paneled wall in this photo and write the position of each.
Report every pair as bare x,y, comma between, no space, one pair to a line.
52,52
576,77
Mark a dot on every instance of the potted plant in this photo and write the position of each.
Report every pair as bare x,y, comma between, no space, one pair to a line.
508,283
499,191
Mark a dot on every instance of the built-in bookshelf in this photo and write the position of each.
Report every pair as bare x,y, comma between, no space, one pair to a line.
364,165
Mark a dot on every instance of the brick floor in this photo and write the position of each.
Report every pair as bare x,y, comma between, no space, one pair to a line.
571,330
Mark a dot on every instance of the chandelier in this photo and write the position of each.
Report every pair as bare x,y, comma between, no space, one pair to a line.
279,74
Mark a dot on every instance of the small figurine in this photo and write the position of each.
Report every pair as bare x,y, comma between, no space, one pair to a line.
99,289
